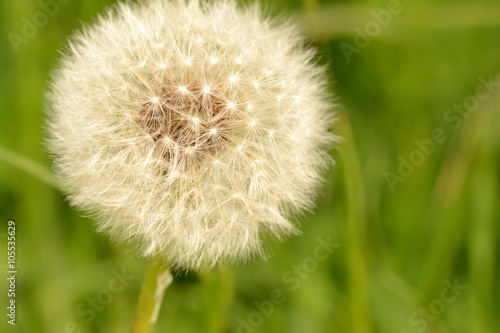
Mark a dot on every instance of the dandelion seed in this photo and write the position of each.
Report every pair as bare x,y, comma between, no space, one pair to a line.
123,139
233,78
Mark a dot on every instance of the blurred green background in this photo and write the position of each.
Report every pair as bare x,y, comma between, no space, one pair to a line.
411,205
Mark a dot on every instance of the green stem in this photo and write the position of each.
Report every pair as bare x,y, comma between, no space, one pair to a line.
156,280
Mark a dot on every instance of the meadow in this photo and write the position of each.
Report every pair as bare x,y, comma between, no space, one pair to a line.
405,234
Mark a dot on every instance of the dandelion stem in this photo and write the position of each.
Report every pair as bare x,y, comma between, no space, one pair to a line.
156,280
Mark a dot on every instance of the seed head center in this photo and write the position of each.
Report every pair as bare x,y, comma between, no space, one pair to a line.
186,122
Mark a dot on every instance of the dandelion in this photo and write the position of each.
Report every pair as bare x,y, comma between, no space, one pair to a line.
191,127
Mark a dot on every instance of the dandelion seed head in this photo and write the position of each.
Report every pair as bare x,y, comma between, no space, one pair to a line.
191,127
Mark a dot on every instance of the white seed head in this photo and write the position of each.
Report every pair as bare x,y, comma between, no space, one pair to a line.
156,126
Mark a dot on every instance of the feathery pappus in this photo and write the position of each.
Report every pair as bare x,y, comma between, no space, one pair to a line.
193,127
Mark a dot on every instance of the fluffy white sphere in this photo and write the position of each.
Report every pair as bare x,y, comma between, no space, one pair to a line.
192,127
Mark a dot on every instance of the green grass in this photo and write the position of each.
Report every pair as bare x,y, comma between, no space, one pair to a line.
397,246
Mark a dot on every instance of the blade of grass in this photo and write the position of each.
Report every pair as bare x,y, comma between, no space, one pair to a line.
356,230
218,294
333,20
449,193
26,164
